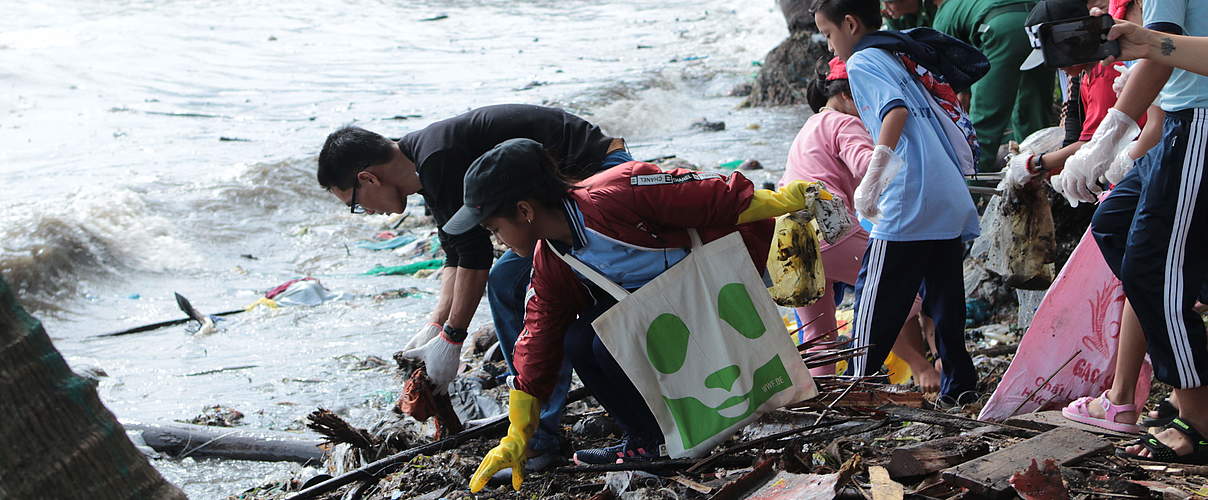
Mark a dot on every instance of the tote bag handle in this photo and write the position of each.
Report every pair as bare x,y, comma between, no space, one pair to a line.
599,279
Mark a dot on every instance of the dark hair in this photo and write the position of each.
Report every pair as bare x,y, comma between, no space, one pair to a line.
547,189
350,150
868,12
819,90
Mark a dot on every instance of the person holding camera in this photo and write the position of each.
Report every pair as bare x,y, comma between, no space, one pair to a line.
1091,96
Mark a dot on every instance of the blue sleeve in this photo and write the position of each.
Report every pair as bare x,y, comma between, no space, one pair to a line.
1168,16
874,76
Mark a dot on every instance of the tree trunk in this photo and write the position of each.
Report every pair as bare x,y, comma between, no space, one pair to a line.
59,441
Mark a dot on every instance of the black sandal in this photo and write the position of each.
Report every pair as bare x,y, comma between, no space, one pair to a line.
1166,413
1162,453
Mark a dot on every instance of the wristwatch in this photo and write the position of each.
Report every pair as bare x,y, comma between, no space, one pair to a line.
455,335
1036,164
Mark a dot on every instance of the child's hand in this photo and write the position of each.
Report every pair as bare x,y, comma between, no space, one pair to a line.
883,166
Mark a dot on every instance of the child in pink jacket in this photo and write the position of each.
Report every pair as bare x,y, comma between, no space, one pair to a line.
833,147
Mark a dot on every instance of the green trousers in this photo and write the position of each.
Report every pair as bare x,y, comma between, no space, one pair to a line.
1007,96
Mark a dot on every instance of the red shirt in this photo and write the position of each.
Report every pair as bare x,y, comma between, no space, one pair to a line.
638,204
1098,97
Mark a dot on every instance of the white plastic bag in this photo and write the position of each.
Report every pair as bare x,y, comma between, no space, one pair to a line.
704,344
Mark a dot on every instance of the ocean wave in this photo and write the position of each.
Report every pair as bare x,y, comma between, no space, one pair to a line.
266,189
50,250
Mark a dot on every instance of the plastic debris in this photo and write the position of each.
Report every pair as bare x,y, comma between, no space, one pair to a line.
411,268
388,244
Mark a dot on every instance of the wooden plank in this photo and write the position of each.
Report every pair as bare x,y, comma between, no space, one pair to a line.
935,455
1052,419
884,488
988,476
750,481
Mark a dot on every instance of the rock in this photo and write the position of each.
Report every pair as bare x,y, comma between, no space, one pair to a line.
750,165
787,70
741,90
218,416
673,162
708,126
482,339
797,15
595,426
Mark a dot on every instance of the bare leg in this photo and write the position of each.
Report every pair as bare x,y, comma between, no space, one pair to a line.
909,347
823,326
1129,356
929,334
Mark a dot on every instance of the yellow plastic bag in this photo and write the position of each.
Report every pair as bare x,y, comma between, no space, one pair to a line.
795,263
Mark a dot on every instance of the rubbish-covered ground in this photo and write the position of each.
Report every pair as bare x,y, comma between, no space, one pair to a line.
859,438
856,439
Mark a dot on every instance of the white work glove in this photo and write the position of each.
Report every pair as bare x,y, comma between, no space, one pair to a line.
1121,165
883,166
428,332
1079,181
1118,83
1021,168
442,360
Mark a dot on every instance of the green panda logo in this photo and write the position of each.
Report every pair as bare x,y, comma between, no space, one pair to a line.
667,340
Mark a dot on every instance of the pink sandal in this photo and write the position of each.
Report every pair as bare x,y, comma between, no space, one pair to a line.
1078,411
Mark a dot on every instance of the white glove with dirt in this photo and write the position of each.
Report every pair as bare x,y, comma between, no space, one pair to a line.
1021,168
428,332
442,360
1080,178
883,166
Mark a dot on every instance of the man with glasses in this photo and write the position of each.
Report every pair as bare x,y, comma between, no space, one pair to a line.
372,174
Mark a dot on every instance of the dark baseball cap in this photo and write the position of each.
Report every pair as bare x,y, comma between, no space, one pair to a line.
1048,11
500,176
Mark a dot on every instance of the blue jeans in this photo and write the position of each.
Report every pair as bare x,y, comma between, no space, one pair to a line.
506,286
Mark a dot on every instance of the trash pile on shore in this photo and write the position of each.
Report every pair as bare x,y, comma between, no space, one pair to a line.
857,439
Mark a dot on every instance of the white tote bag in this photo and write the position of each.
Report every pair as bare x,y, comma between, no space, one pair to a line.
704,344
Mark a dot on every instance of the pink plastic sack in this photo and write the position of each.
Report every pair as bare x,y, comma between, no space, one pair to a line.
1080,312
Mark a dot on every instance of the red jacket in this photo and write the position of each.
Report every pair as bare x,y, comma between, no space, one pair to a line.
639,204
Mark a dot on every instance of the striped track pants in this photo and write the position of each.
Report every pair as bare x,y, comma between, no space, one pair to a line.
891,274
1153,232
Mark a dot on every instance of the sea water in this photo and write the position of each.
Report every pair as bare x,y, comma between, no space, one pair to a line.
155,147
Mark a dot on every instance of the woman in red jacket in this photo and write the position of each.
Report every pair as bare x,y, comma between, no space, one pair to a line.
629,223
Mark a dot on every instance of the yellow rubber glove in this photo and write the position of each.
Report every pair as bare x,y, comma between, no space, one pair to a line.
794,196
523,411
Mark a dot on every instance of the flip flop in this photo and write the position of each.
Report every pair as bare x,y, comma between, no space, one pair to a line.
1079,411
1165,454
1166,412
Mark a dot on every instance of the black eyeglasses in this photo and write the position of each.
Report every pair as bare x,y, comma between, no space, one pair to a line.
353,206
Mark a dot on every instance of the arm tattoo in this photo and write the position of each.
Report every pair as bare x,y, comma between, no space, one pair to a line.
1167,46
